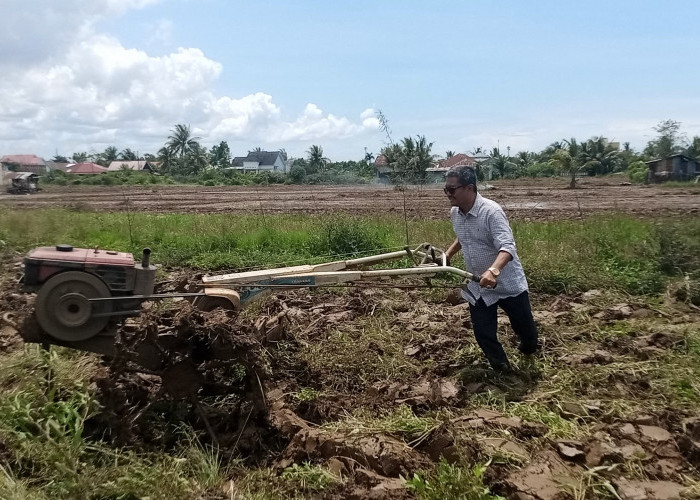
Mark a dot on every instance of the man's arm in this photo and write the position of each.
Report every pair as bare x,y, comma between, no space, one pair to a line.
453,249
488,279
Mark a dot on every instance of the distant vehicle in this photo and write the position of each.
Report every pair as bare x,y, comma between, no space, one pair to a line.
22,183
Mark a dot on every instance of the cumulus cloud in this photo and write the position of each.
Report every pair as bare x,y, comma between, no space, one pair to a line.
84,90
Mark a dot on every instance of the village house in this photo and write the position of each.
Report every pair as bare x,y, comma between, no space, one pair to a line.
677,167
86,168
24,163
436,174
260,161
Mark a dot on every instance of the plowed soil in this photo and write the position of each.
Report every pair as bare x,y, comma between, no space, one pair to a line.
524,199
379,384
340,368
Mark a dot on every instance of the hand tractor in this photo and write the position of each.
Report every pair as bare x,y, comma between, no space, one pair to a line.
84,294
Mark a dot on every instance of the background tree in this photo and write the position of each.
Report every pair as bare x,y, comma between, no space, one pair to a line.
599,156
181,143
197,160
670,140
568,159
60,159
167,160
449,154
220,155
80,157
693,149
410,159
108,156
315,160
500,163
127,155
180,140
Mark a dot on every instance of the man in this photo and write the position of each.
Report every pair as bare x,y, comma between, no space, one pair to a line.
486,241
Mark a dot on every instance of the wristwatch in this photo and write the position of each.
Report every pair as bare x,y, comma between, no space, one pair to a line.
495,271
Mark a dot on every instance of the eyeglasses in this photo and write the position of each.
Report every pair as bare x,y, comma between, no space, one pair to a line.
451,190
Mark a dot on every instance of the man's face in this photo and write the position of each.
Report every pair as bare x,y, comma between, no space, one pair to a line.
459,195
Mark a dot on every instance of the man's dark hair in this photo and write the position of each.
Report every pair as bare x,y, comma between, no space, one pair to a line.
466,176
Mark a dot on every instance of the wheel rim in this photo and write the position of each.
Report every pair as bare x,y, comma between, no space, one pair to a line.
63,309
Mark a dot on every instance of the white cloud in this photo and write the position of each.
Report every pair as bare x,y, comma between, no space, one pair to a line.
84,90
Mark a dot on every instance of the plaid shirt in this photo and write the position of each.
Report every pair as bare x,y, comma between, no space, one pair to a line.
483,232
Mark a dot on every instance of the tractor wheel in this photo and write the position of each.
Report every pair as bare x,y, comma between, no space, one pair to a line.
64,311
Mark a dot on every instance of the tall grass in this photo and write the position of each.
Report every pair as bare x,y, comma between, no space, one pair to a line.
563,256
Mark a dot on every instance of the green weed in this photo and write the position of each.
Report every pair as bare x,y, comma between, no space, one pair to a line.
310,477
451,482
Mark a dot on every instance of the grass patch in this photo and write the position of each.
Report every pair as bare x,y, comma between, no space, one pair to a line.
448,482
400,422
615,252
309,477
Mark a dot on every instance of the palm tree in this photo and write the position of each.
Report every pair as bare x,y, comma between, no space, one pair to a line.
197,159
128,155
316,161
568,159
599,156
449,154
180,141
167,159
108,156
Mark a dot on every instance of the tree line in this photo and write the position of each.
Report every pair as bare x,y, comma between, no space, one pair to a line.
183,156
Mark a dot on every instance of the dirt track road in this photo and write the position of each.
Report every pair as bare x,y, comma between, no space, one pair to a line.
539,199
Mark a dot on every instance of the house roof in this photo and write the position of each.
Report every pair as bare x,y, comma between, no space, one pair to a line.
86,168
671,156
132,165
458,160
23,160
262,157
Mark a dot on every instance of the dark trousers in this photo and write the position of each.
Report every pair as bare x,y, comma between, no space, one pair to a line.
485,323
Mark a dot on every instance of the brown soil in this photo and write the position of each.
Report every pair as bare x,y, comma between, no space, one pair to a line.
522,199
663,445
275,344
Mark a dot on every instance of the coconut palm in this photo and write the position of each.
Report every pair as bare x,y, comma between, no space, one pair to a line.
127,155
109,155
181,141
315,159
568,159
599,156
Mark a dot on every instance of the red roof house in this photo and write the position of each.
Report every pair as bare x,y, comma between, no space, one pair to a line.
24,163
86,168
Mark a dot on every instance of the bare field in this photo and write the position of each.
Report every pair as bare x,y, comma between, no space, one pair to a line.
536,199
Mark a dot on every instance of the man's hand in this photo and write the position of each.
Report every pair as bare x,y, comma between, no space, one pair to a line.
488,280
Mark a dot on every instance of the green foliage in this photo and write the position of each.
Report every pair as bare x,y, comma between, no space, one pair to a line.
347,236
638,172
616,252
451,482
310,477
409,160
297,174
679,251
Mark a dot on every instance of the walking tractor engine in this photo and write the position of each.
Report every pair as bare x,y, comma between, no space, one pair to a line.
80,290
82,293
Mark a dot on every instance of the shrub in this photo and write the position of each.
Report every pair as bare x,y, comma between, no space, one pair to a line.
638,172
297,173
346,236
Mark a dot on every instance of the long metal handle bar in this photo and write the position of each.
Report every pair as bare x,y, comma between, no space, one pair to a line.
332,277
335,266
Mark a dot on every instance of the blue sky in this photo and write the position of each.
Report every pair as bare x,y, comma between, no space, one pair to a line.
291,74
